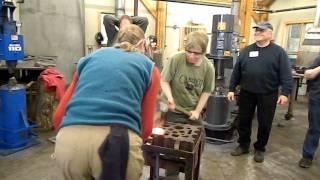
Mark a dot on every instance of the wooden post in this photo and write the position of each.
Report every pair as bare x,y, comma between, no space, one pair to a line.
151,7
245,19
161,23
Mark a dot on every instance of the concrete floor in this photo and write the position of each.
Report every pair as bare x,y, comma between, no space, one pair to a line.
281,159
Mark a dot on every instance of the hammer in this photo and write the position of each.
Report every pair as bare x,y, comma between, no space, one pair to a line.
164,107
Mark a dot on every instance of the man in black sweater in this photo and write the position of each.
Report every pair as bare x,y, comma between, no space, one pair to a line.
261,69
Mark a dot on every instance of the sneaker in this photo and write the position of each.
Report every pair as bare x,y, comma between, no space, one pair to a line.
259,156
239,151
305,163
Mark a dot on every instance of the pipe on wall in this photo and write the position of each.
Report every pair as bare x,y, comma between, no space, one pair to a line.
235,6
135,8
317,18
119,8
197,3
285,10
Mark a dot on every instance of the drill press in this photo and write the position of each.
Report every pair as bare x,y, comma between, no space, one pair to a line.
11,44
15,131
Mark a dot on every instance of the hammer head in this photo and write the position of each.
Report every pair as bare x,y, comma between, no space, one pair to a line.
162,109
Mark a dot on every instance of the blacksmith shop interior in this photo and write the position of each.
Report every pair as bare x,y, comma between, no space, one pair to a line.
190,89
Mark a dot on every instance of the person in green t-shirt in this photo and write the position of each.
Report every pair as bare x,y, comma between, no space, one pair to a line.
188,79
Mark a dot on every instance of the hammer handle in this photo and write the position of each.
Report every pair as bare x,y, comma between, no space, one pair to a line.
181,109
177,108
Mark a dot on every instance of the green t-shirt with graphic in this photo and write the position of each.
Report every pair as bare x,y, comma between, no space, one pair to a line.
188,81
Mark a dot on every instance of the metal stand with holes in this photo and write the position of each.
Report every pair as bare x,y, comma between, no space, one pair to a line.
181,146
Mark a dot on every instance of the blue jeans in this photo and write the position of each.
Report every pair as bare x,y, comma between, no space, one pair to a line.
311,141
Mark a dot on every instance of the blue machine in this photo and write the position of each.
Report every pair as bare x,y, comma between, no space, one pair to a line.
15,131
11,44
14,127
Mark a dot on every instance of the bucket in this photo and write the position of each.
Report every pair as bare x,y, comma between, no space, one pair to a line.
218,110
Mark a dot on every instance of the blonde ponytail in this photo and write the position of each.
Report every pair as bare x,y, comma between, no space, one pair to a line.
129,37
126,46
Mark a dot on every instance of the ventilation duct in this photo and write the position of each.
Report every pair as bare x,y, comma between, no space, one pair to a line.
310,48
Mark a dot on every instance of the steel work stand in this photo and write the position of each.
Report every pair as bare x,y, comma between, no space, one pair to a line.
293,96
181,146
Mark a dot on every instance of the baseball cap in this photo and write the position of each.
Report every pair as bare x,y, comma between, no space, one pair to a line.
264,25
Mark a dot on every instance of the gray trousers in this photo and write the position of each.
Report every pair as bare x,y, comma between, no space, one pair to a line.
110,23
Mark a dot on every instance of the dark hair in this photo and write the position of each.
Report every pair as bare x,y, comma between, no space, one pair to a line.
98,37
152,38
125,17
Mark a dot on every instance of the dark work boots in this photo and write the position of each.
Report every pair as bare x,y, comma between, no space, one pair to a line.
239,151
258,156
305,163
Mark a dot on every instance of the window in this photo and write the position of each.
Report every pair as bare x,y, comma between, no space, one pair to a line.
295,36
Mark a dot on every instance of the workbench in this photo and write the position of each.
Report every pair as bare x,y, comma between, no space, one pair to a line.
293,96
28,70
180,146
